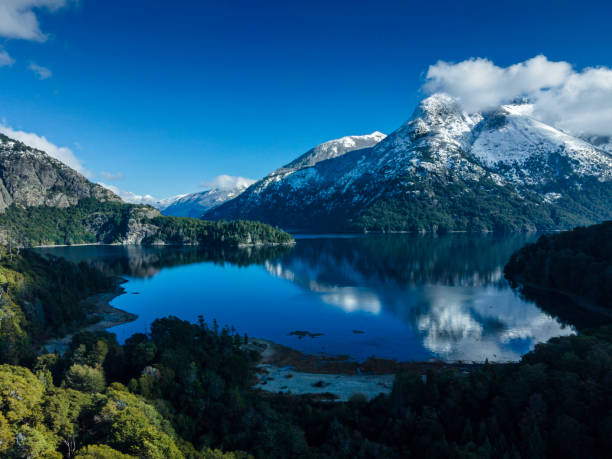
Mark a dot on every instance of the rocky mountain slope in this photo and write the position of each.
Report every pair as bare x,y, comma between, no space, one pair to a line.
444,169
196,204
30,177
43,201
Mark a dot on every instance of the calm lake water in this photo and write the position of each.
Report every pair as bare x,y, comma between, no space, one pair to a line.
402,297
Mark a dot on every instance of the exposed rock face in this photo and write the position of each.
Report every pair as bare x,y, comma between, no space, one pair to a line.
138,228
45,202
30,177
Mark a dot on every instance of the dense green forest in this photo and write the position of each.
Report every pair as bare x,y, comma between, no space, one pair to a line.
577,262
92,221
42,297
475,208
183,391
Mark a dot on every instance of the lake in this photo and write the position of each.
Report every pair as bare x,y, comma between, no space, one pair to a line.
409,298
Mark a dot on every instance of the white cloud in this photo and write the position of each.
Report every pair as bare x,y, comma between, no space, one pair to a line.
112,177
5,59
577,101
63,154
130,197
228,182
42,72
18,18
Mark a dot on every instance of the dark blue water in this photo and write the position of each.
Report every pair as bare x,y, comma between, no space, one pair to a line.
414,298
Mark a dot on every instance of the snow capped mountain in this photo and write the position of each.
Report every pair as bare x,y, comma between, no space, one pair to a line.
509,138
602,142
196,204
443,169
332,149
326,151
275,191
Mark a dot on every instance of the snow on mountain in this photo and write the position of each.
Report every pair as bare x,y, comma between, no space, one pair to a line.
276,189
196,204
323,152
443,167
602,142
510,139
333,149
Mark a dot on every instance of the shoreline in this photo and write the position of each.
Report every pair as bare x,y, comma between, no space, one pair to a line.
102,244
100,308
332,378
579,301
279,355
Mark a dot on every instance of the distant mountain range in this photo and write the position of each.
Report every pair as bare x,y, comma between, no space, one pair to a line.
444,169
196,204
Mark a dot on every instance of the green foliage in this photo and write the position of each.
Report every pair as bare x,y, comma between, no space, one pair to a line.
85,378
100,452
20,394
578,262
481,206
34,442
196,402
183,230
6,436
183,391
92,221
41,297
63,408
137,428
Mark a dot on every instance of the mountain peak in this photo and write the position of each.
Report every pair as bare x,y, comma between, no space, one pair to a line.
440,116
333,149
442,168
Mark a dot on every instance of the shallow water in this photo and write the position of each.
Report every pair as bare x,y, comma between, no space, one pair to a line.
400,296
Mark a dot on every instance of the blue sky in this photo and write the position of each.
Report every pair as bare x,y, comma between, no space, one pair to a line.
157,97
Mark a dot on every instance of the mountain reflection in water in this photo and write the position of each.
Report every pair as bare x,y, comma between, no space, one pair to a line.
414,297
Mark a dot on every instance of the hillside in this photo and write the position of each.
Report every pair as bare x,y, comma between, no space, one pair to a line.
578,262
442,170
43,201
30,177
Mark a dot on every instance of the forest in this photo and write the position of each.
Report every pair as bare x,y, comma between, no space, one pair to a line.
183,390
93,221
473,207
578,262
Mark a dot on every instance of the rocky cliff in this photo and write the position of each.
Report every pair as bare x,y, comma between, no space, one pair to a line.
30,177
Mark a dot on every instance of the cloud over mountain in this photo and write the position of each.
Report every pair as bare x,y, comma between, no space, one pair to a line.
227,182
130,197
577,101
63,154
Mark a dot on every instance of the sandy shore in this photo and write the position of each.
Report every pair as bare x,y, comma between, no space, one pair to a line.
333,387
287,370
283,369
104,315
